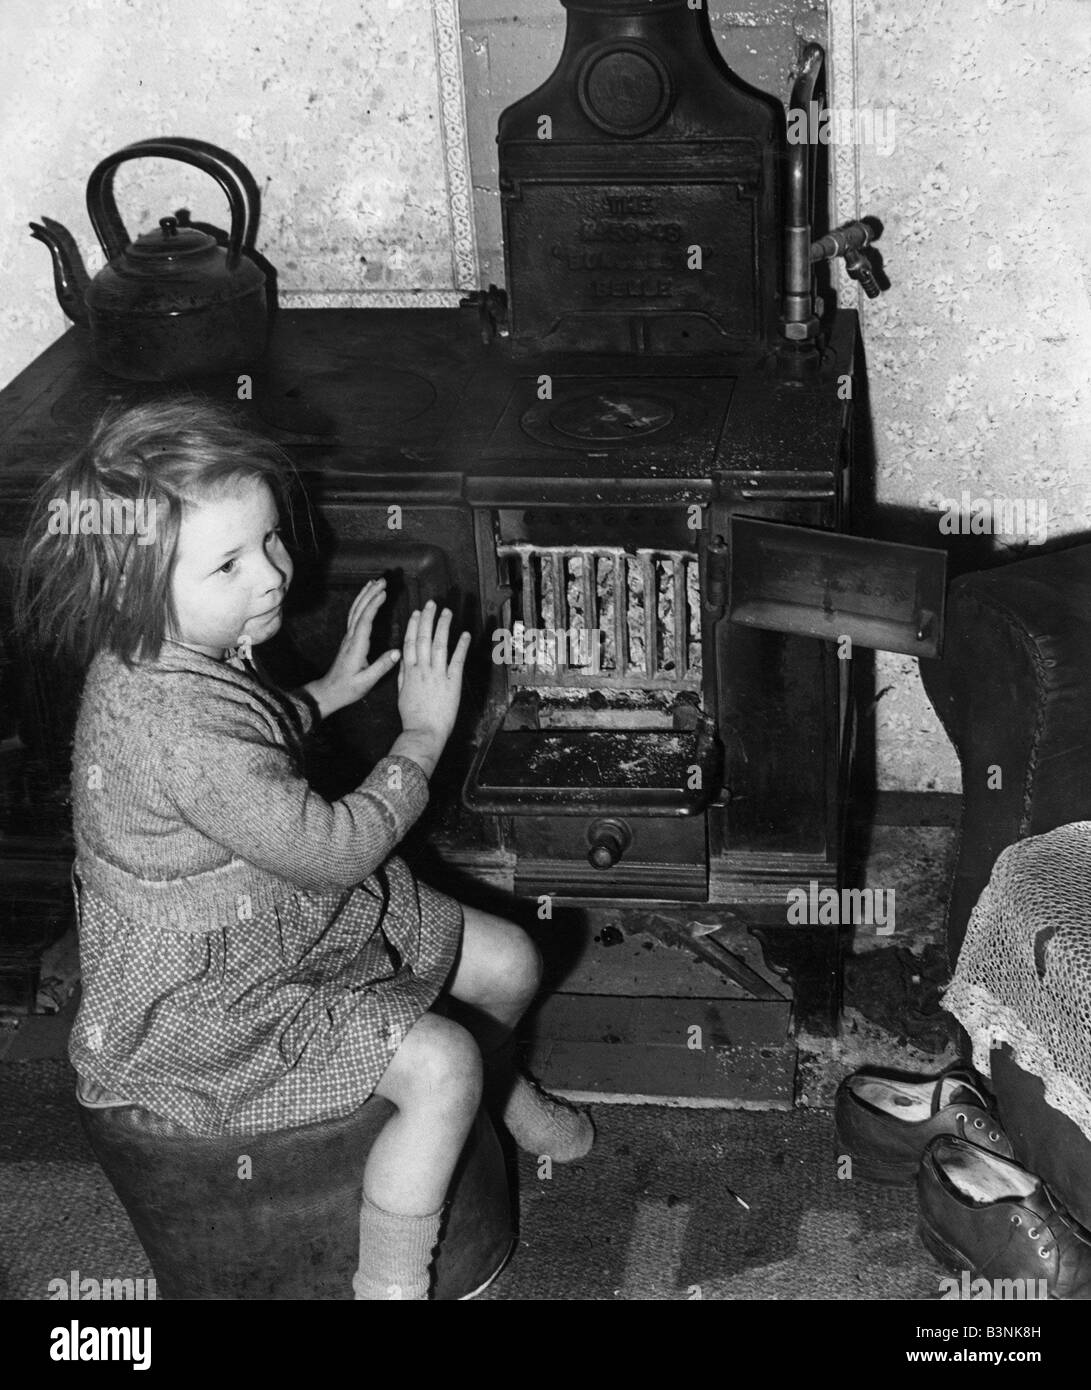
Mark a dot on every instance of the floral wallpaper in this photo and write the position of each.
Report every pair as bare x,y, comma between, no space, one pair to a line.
333,104
979,354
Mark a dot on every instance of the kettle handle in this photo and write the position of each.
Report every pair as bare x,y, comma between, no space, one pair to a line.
250,192
102,208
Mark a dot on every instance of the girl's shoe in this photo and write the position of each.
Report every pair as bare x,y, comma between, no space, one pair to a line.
885,1123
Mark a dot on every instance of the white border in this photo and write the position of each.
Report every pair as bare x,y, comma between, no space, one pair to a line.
456,145
465,275
370,299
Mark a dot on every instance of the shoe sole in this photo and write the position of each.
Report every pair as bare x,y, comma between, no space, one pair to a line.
893,1173
902,1173
944,1254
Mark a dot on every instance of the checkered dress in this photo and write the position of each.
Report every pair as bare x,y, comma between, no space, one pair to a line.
287,1008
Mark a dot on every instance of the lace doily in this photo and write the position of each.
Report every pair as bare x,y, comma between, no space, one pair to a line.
1024,973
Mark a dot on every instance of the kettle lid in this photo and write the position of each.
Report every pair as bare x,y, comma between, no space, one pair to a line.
171,242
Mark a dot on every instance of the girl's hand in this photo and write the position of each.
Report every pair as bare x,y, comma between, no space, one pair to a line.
429,687
351,676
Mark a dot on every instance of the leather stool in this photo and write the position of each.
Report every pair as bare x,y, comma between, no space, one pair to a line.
276,1216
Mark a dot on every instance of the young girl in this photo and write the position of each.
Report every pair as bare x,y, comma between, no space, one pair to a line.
255,957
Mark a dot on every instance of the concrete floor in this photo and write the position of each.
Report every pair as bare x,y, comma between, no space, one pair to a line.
891,1016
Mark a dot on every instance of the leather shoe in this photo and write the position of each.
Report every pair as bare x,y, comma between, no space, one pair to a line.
885,1123
984,1214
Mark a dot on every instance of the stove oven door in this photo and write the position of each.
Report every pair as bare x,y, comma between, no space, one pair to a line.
846,589
796,603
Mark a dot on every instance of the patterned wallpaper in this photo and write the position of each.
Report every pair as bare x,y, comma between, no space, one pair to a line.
979,357
333,104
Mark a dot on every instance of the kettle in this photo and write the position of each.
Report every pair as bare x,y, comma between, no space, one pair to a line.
172,304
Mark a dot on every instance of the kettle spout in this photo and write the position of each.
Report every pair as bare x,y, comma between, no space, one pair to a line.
69,276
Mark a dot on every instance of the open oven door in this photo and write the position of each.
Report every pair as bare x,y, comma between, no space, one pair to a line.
522,769
823,584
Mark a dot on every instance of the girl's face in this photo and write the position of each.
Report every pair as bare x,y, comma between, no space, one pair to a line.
231,569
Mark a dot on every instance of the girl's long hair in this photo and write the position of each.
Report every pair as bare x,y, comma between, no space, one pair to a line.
78,594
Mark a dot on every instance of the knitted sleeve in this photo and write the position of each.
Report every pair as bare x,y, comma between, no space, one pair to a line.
306,707
230,780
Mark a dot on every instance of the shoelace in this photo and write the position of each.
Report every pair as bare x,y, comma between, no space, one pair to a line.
964,1092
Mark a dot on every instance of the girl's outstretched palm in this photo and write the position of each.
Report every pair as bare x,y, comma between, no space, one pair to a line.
430,686
352,676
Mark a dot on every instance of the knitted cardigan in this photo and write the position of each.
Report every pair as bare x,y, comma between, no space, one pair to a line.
163,828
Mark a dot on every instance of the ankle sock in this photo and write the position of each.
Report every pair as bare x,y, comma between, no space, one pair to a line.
540,1123
395,1254
545,1125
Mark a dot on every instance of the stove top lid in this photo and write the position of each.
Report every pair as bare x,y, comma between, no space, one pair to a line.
648,423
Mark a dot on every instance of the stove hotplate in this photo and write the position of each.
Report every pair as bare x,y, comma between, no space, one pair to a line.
637,419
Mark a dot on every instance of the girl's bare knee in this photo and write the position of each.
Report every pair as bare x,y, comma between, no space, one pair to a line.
502,960
438,1065
519,964
532,964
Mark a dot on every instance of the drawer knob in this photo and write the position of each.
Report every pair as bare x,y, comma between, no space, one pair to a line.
609,839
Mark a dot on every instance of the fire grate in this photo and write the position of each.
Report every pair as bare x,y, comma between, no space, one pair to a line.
569,629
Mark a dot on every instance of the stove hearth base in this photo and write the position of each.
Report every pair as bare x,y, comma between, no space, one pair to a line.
633,1015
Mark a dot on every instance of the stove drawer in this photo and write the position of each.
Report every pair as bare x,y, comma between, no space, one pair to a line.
652,857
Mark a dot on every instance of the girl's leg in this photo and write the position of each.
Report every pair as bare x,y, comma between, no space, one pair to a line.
434,1079
497,974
